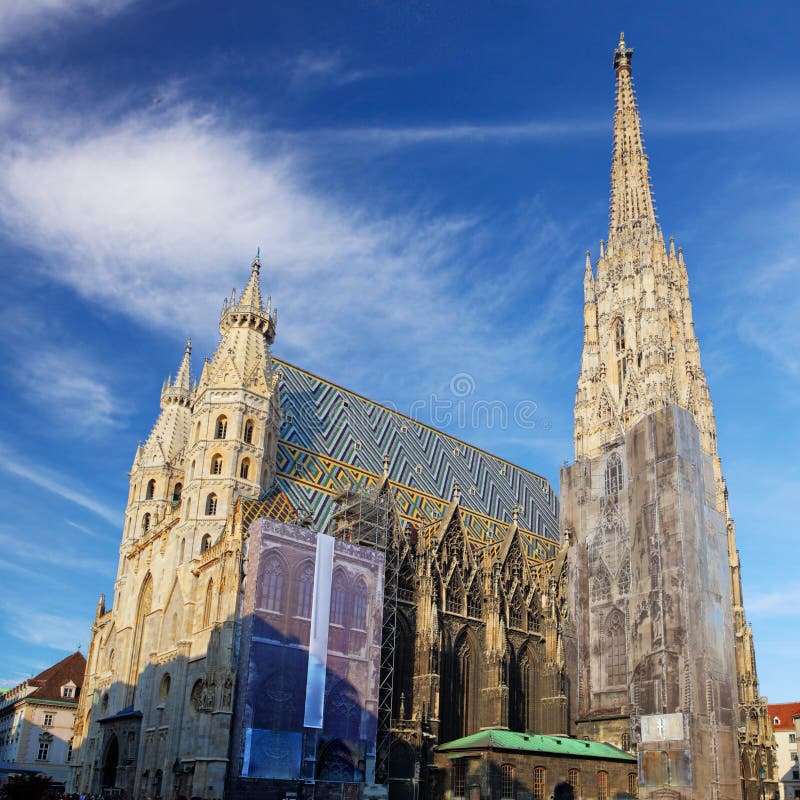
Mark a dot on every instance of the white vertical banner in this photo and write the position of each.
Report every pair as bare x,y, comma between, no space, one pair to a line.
248,741
318,640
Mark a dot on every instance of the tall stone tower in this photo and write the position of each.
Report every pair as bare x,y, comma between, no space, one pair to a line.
154,716
661,656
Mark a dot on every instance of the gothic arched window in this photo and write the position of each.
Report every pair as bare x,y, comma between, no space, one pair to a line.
146,523
619,336
613,475
176,493
216,464
360,606
305,591
455,594
515,611
624,579
338,596
272,593
244,469
221,427
463,688
151,489
614,649
406,580
205,542
602,785
474,600
211,505
574,780
249,427
601,584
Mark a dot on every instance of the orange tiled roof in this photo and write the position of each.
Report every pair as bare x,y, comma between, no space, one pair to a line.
783,713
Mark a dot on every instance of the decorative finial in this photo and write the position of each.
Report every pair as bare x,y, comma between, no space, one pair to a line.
257,260
188,348
515,512
621,40
386,465
456,492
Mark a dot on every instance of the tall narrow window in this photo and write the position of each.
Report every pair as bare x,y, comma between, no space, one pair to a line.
619,336
614,649
205,542
574,780
207,604
360,606
613,474
459,779
507,782
211,505
216,464
633,784
338,595
44,751
305,590
474,599
176,493
221,427
273,584
146,523
244,469
626,741
539,781
151,489
455,594
515,611
248,432
602,785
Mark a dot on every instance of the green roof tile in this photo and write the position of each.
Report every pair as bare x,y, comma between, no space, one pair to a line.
536,743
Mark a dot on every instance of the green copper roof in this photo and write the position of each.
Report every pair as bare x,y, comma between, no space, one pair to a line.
493,739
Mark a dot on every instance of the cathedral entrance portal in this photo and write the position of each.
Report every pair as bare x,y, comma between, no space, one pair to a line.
110,763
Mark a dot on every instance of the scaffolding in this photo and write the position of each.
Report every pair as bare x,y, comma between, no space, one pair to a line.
366,517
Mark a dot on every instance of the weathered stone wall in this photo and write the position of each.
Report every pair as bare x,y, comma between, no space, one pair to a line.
650,609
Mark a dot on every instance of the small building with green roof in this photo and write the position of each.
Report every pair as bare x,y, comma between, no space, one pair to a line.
498,764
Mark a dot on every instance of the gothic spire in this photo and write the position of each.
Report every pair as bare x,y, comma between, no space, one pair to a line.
631,198
251,296
183,378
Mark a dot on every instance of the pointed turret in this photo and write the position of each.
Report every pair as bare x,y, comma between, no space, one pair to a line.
631,198
251,296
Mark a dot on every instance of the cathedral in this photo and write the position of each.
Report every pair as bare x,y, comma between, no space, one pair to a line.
613,616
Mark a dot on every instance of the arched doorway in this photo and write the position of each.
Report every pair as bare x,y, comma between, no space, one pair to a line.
110,763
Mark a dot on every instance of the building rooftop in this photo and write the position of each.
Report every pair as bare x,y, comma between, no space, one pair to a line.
496,739
781,715
48,684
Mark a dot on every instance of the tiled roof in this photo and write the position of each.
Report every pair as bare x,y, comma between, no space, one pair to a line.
48,683
783,712
536,743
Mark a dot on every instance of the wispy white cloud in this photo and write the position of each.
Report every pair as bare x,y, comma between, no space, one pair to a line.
30,554
70,386
20,18
34,626
54,483
783,602
89,532
310,68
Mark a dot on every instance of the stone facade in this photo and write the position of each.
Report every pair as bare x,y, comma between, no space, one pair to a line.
786,722
656,624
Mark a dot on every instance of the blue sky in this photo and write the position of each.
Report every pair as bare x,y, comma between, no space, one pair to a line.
424,179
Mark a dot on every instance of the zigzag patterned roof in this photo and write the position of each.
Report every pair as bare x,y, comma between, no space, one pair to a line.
332,439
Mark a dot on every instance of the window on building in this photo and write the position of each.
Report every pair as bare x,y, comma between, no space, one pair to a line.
574,780
507,782
67,691
48,720
455,595
305,591
614,649
602,785
211,505
792,738
539,781
248,432
613,474
151,490
273,584
176,493
221,427
360,606
216,464
515,611
474,599
601,585
205,542
244,469
459,779
619,336
44,751
207,606
145,523
633,784
793,756
626,741
338,594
